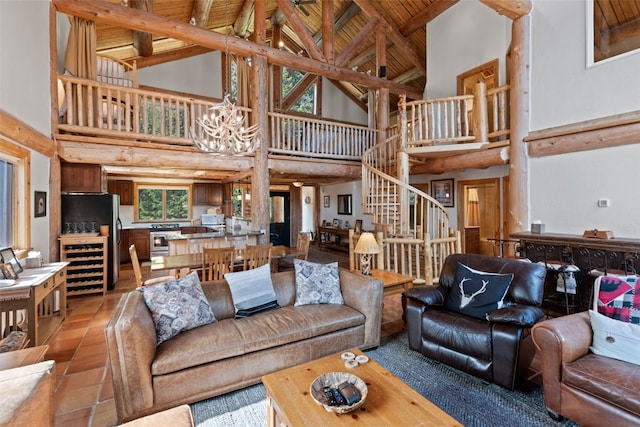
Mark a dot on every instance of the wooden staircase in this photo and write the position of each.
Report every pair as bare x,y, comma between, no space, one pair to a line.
413,227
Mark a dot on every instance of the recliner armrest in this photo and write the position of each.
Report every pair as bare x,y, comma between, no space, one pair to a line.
427,294
518,315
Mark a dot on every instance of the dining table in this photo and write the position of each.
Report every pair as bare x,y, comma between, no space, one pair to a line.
194,260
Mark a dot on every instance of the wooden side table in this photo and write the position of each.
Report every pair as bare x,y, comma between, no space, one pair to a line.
393,283
26,356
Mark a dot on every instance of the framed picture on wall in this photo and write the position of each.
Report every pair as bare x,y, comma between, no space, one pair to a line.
443,191
327,202
39,204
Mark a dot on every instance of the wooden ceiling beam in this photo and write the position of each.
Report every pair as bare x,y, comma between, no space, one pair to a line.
200,13
328,31
244,21
171,55
366,56
142,40
427,15
356,42
344,16
405,46
301,30
513,9
114,14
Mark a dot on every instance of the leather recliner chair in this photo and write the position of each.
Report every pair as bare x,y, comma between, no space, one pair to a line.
497,350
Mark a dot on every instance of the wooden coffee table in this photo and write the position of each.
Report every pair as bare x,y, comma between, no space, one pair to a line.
389,400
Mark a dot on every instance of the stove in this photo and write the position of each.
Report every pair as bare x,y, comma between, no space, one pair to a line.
165,227
158,234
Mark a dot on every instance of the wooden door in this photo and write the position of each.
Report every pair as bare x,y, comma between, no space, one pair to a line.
479,215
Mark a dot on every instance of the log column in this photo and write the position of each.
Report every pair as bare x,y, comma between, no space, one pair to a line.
518,195
259,89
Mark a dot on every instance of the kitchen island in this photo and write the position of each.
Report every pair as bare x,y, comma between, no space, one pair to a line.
193,243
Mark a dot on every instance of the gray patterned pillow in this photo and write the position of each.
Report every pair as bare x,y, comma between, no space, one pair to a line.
317,283
177,306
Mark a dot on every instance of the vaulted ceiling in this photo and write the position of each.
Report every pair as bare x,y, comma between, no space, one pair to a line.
295,22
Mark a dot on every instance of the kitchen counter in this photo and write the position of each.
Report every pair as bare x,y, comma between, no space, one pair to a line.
213,234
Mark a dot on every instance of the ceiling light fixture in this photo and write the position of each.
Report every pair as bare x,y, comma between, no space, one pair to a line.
297,184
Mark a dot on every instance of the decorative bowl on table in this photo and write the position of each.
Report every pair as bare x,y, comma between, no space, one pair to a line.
333,380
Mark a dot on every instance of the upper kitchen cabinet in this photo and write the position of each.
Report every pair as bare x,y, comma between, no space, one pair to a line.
123,188
81,178
207,194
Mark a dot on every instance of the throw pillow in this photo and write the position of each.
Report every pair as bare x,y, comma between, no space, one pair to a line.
177,306
252,291
477,293
317,283
618,297
615,339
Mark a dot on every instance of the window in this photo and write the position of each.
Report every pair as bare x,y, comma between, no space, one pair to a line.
154,202
14,195
305,103
612,28
242,201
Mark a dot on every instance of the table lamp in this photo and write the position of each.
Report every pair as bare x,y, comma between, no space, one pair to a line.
366,247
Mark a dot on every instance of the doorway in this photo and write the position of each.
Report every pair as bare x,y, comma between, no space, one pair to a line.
479,215
279,218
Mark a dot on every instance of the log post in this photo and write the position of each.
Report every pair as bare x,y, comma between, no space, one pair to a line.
518,196
480,116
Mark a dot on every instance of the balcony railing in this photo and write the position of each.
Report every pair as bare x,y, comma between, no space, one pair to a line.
121,112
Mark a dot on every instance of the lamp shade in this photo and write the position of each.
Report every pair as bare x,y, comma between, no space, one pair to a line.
367,244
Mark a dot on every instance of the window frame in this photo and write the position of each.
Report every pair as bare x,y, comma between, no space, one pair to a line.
164,187
21,158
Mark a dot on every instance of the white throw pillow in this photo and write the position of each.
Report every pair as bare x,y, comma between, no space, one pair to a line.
615,339
252,291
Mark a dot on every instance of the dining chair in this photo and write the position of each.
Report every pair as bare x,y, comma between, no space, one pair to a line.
137,271
304,240
216,262
256,256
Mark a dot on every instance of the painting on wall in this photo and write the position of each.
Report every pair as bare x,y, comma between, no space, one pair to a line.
327,202
442,190
39,204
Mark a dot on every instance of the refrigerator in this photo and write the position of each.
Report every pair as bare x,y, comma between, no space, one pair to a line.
84,212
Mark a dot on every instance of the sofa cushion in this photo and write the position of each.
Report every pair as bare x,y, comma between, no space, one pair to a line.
616,339
252,291
235,337
453,333
610,380
177,306
317,283
477,293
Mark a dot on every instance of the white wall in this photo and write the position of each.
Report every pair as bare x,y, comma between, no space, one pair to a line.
337,106
199,75
329,214
464,37
24,90
565,188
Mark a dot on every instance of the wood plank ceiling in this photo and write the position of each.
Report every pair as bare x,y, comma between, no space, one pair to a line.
354,33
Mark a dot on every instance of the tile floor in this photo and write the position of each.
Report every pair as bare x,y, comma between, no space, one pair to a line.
84,393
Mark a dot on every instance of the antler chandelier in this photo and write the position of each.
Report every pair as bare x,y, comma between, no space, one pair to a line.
222,131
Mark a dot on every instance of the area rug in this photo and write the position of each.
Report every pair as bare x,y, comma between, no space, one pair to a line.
470,400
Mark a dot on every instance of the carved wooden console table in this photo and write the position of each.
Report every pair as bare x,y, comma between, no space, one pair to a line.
592,256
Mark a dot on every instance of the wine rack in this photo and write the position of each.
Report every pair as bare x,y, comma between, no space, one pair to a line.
87,258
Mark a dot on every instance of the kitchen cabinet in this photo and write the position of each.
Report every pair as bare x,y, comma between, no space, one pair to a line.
141,239
194,230
207,194
87,258
123,188
81,178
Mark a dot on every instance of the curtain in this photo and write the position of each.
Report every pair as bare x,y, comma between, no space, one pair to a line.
243,82
80,61
473,208
80,58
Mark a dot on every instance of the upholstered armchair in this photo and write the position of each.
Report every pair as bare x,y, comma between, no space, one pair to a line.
591,360
495,346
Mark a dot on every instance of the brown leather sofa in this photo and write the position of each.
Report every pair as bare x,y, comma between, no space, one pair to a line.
589,389
232,353
499,349
27,395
